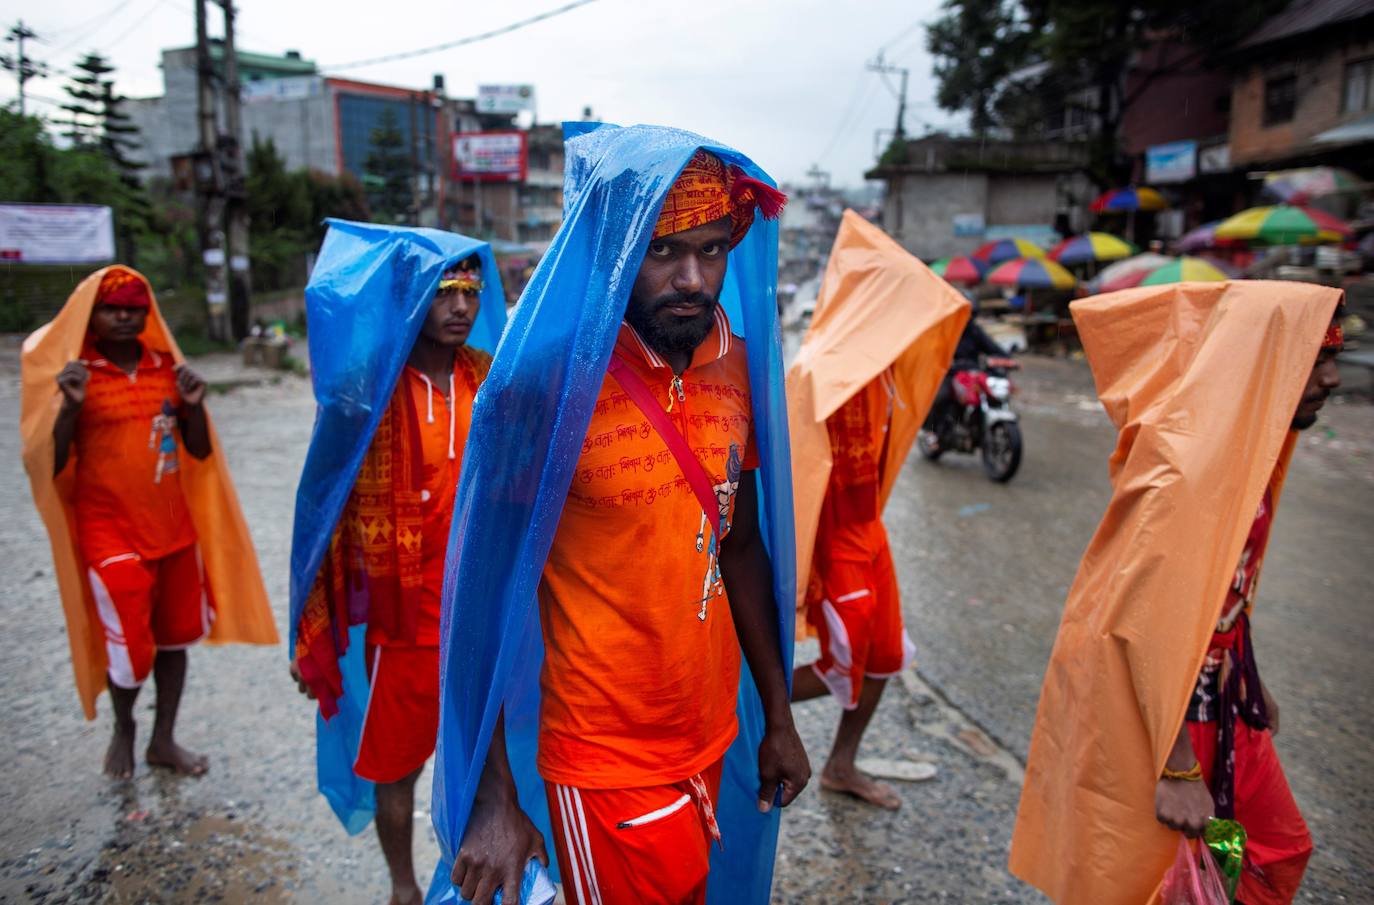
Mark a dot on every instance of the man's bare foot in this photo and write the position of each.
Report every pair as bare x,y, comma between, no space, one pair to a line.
119,757
853,781
406,897
174,757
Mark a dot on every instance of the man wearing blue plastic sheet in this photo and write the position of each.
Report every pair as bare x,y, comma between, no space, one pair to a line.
373,569
630,469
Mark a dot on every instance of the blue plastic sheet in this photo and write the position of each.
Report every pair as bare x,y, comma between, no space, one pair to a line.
528,425
365,304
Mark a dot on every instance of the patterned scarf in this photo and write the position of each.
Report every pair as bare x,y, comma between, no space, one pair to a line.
372,572
707,190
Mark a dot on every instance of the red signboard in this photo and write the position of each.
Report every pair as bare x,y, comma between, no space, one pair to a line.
490,156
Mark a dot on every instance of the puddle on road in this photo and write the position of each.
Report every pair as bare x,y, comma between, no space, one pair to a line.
159,856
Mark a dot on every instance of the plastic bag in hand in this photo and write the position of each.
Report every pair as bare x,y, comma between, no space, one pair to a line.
1193,880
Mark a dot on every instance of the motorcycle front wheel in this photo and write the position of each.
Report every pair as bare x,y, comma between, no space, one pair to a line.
928,442
1002,451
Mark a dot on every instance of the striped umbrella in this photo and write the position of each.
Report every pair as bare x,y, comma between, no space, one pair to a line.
1185,270
1283,224
1135,198
1305,183
999,250
1032,273
960,269
1091,247
1127,273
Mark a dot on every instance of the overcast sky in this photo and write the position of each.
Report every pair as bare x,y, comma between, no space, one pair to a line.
782,80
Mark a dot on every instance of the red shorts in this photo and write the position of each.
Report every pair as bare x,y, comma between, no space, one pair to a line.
402,718
860,625
147,605
1278,843
632,846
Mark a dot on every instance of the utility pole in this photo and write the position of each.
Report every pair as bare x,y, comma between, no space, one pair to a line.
235,192
894,180
880,66
210,187
23,66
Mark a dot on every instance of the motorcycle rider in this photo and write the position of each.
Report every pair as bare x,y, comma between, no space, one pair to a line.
973,342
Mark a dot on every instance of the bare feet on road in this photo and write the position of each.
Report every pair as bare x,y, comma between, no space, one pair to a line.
174,757
119,757
860,785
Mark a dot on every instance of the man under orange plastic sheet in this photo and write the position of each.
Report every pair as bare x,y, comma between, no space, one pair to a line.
389,548
884,330
150,548
1206,384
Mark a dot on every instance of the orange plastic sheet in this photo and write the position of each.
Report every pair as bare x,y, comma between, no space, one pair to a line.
242,611
878,306
1201,380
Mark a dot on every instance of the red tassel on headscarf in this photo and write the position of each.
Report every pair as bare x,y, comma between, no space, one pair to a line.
745,190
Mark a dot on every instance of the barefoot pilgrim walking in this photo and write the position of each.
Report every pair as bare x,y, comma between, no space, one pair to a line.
629,472
1153,718
149,545
872,359
398,318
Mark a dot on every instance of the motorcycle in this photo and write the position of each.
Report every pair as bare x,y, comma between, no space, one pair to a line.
978,416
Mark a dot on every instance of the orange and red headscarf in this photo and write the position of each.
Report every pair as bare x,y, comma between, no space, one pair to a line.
707,190
124,288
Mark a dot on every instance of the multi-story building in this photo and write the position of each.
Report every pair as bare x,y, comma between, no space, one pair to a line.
326,124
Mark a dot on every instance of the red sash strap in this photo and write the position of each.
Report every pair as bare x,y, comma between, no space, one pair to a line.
691,466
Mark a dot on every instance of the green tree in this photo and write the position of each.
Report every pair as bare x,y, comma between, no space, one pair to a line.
1087,44
287,209
388,171
976,45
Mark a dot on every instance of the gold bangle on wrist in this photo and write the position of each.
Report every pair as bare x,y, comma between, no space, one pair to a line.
1192,774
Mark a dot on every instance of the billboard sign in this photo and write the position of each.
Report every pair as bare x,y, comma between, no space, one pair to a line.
502,99
1172,162
56,234
490,156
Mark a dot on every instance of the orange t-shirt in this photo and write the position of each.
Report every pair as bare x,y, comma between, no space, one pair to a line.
641,662
851,527
437,413
127,450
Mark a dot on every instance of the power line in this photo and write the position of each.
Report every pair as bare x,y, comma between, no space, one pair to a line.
472,39
95,26
92,23
130,30
853,114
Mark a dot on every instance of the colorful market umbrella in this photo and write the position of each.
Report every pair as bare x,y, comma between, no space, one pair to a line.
1283,224
1127,273
1305,183
1134,198
960,269
999,250
1205,236
1091,247
1032,273
1185,270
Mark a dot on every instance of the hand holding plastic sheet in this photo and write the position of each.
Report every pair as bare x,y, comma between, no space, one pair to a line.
528,426
1202,381
367,299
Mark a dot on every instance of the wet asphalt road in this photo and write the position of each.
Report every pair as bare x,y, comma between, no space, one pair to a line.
984,570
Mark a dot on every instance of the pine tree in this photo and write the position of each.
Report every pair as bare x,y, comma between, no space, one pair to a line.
388,174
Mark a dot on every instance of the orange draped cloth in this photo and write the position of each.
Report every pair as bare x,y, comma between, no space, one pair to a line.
1202,381
373,570
879,308
242,611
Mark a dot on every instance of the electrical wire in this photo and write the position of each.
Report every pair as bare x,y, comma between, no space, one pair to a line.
471,39
91,26
852,116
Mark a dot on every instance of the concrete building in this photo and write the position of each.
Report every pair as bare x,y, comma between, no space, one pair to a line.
325,124
946,196
1303,89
